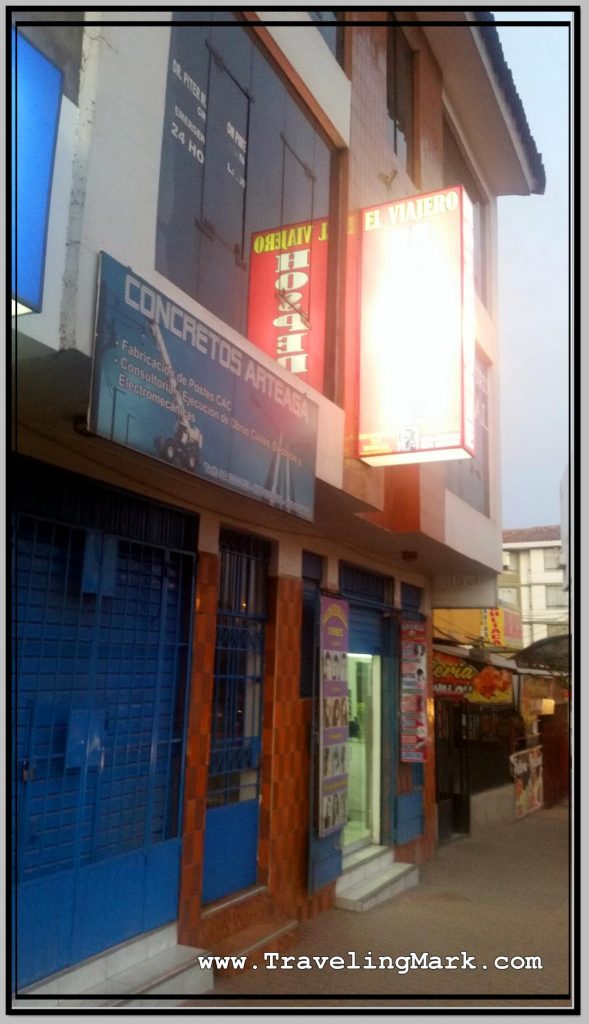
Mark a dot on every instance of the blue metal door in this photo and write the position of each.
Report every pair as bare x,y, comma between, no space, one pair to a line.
101,644
231,832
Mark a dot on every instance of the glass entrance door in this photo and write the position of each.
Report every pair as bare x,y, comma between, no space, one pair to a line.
363,760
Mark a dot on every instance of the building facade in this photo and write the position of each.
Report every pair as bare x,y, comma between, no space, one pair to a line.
533,581
191,507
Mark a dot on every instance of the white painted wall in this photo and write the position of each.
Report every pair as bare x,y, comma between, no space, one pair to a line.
115,175
464,590
471,533
310,57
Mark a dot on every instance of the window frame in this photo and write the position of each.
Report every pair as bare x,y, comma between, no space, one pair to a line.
557,590
455,156
400,92
555,560
460,474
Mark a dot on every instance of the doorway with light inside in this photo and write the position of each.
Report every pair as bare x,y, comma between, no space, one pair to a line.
364,752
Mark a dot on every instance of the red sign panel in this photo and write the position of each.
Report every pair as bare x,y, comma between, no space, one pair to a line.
287,297
417,330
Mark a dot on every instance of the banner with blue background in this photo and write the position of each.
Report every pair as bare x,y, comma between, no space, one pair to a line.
166,385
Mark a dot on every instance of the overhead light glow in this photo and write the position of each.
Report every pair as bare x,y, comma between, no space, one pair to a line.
417,330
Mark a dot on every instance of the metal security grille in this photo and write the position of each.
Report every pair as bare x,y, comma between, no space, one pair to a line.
364,587
239,670
100,635
490,732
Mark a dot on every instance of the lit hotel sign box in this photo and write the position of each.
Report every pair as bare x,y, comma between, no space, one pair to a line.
417,335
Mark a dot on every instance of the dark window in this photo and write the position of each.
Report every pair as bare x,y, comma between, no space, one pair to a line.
365,587
239,157
223,193
555,629
400,95
552,558
509,561
330,30
556,597
457,172
469,478
410,598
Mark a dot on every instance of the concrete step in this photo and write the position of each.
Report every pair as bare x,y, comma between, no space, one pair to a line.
362,864
232,914
131,974
377,888
274,935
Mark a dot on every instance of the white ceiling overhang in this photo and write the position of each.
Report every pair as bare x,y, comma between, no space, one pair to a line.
478,100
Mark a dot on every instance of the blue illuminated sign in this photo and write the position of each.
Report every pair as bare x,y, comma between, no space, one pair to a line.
36,101
167,385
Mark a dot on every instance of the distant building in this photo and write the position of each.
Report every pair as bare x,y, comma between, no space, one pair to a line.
564,526
533,581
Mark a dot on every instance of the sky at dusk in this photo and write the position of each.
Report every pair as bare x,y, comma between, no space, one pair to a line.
533,283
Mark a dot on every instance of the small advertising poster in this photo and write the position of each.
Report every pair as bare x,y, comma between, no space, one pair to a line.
333,716
526,767
413,692
288,297
168,386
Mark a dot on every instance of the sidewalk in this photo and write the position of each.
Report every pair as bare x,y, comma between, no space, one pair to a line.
503,893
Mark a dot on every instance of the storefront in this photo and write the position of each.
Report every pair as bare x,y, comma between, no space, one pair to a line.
476,726
544,711
369,674
205,449
103,596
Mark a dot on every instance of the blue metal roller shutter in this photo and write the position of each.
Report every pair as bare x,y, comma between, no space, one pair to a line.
365,631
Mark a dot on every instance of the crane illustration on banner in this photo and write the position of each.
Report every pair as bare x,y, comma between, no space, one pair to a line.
185,445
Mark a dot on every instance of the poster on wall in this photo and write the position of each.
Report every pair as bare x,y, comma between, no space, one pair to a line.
458,679
417,330
333,716
168,386
287,297
527,770
413,703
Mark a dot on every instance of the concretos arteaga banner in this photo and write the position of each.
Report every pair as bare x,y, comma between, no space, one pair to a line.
287,297
167,385
417,330
334,716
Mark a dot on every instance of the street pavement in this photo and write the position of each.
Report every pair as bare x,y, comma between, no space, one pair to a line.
501,894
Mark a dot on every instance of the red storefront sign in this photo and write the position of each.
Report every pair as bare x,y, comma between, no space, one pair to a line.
458,679
288,297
